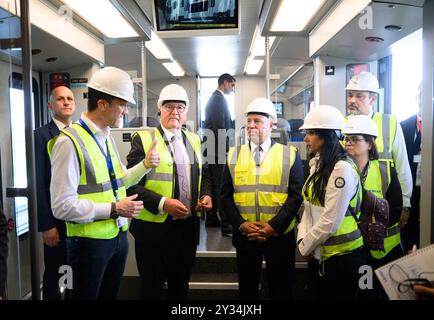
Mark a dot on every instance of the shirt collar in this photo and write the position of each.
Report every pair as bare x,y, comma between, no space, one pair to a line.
221,92
371,114
265,146
60,124
169,134
94,128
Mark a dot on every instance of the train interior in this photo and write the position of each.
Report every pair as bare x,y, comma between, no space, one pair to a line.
296,69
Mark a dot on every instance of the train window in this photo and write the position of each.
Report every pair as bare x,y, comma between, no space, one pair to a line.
16,105
406,74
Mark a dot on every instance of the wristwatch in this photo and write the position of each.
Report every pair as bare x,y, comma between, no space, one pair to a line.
113,213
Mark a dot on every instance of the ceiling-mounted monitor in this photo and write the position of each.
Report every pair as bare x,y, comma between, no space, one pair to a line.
186,18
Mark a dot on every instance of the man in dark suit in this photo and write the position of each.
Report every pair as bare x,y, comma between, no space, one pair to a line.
62,106
261,193
166,231
412,130
218,120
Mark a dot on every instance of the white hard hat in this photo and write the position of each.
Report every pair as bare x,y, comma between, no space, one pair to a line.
173,92
323,117
360,124
364,81
114,82
262,105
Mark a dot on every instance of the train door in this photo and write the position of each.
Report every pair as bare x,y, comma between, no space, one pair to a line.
13,159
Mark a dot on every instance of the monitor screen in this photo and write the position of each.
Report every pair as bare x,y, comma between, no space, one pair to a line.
279,108
175,17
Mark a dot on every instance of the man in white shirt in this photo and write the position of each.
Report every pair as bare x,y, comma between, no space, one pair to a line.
362,92
88,188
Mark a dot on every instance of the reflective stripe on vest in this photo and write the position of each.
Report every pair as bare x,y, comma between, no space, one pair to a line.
378,181
348,236
386,125
161,179
94,182
260,192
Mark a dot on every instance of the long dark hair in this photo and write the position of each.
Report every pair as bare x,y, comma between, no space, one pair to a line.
331,152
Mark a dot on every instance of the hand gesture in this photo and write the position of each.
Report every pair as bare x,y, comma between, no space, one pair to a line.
152,158
204,203
127,207
175,208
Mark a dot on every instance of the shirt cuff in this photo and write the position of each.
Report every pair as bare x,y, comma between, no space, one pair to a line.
406,202
102,210
161,205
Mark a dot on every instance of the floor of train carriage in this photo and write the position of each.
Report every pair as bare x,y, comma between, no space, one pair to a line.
214,275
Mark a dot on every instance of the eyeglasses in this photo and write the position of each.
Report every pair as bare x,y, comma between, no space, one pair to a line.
352,139
170,107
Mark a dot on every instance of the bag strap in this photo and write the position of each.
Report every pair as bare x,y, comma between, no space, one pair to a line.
353,214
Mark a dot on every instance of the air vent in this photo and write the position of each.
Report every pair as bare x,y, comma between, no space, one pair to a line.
374,39
392,28
51,59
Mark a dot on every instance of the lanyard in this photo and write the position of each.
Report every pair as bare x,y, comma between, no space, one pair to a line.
107,158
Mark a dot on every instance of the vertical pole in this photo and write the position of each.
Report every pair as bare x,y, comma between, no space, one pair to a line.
144,90
267,67
30,148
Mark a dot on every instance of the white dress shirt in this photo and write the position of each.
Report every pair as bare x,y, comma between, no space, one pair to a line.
399,154
60,124
169,134
319,223
65,179
265,146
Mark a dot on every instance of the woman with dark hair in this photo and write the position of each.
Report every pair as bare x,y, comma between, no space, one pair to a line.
328,235
380,177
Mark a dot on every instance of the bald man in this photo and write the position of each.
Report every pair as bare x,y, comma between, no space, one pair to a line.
62,106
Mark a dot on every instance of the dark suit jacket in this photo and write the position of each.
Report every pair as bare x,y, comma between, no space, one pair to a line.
147,231
282,219
3,251
217,116
409,129
46,219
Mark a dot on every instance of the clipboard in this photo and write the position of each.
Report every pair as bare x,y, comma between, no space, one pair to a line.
394,275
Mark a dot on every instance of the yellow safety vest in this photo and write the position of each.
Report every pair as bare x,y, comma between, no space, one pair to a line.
95,184
378,181
260,192
386,125
348,236
161,179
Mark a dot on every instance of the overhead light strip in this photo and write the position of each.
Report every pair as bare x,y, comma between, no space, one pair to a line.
174,68
293,15
103,16
158,48
257,52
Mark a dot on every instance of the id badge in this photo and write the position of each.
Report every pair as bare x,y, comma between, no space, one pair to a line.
417,158
121,221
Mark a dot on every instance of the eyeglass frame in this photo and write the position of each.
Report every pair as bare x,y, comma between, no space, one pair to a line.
350,139
180,107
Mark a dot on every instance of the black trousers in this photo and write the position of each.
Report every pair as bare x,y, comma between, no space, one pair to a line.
170,259
54,258
216,171
97,265
337,278
279,255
